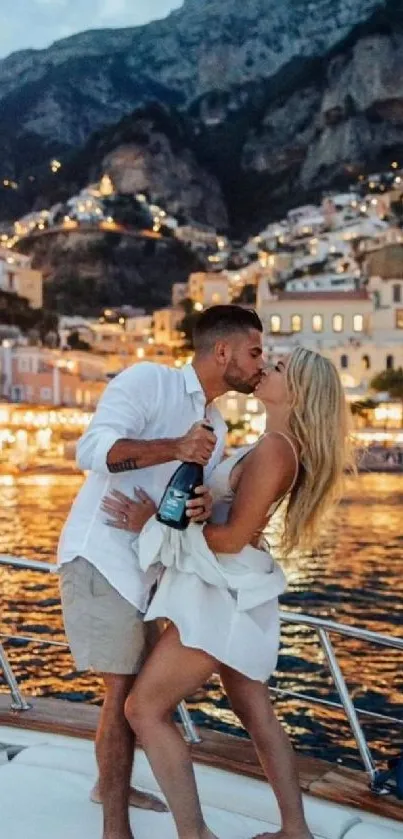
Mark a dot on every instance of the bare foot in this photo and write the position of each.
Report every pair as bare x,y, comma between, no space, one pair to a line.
142,800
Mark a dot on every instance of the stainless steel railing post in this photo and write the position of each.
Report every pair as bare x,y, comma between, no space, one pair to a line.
18,702
190,730
347,703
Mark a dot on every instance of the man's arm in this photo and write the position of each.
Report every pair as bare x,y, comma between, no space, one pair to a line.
126,407
197,445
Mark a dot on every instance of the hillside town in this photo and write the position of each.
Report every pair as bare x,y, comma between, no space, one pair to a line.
328,276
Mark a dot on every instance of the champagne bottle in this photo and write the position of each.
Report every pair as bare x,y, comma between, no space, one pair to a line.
179,490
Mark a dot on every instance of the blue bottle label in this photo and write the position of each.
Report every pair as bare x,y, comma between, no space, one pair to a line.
174,504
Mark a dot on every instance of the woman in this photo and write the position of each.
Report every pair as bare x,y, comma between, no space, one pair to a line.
301,457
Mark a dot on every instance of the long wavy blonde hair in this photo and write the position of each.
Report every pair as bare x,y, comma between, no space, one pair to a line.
320,422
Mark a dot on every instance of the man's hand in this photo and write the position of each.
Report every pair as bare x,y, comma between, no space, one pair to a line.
199,509
197,445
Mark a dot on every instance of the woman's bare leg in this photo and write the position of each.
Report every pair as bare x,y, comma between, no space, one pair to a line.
251,703
171,672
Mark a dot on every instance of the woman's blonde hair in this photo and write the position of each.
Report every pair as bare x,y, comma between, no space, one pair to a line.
320,422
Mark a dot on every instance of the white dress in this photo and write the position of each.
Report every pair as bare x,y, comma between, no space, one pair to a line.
224,604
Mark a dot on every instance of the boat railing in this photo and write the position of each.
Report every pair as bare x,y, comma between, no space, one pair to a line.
323,628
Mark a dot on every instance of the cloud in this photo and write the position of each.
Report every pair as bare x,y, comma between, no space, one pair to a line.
112,9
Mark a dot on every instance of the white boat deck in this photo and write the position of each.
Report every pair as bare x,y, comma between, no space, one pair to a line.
44,794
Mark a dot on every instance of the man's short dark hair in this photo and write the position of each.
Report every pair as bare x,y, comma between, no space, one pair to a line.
220,322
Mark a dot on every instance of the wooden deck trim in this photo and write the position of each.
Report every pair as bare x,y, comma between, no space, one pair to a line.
223,751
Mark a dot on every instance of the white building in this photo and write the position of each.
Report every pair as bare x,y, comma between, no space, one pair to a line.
317,318
361,330
323,282
209,289
165,328
179,293
17,277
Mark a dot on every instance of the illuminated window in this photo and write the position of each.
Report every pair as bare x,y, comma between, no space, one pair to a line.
397,293
358,323
344,362
275,323
317,323
296,323
232,404
399,318
252,405
338,322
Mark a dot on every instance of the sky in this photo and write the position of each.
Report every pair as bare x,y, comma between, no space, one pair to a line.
37,23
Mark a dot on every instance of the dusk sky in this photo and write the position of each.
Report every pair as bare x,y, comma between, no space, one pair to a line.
37,23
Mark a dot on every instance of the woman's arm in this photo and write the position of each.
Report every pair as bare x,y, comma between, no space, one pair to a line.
267,474
130,514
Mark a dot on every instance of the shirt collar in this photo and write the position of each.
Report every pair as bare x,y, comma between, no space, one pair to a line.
192,381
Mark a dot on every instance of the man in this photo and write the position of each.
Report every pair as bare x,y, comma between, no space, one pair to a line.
149,418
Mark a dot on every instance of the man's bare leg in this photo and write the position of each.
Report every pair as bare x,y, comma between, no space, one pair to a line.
251,703
170,673
142,800
114,747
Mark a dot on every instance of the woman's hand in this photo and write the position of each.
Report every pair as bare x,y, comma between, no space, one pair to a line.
132,514
126,513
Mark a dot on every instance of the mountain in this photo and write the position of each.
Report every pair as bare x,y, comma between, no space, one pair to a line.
80,84
150,150
232,110
315,124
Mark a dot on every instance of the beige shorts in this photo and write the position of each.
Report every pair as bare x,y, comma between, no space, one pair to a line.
106,633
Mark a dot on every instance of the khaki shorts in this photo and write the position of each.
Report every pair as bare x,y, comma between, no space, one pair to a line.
106,633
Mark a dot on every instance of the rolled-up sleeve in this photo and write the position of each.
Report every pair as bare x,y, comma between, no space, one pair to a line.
123,412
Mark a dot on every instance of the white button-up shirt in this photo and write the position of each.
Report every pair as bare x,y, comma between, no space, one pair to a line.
145,402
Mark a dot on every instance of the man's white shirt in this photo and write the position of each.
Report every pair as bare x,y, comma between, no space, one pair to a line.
146,402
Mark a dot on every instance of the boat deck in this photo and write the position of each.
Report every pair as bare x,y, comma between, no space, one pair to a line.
318,778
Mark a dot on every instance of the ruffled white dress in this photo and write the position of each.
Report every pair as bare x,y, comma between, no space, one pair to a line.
224,604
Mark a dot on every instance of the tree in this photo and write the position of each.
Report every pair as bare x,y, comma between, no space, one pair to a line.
16,311
247,296
362,408
76,343
390,381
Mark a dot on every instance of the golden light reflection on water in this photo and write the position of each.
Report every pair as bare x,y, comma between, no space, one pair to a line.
357,579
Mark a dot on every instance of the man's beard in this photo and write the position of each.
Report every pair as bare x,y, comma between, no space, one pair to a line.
233,378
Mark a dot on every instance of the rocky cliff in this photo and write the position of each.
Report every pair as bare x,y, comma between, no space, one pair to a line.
273,98
85,273
256,106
